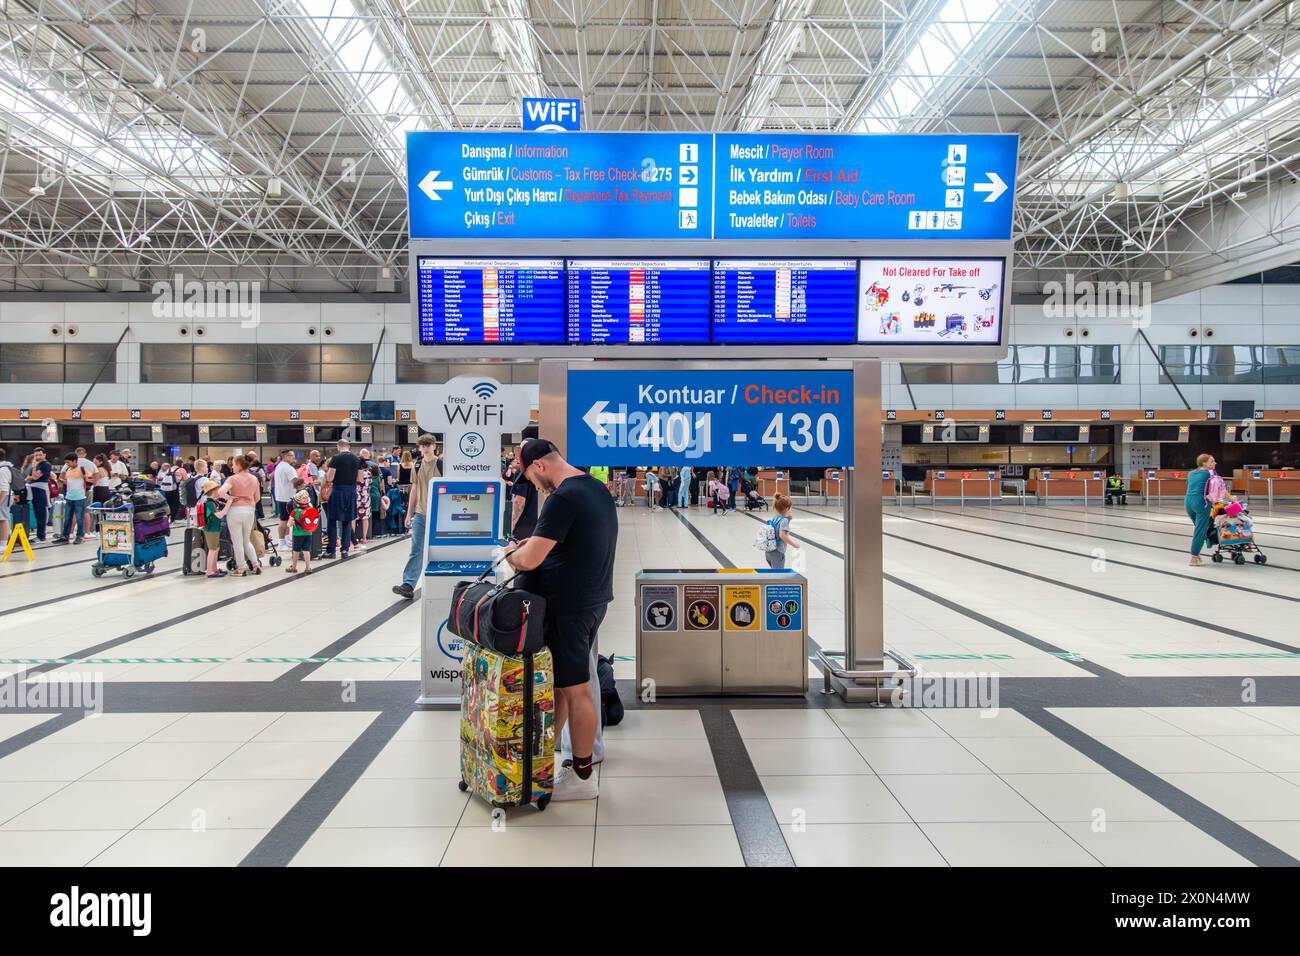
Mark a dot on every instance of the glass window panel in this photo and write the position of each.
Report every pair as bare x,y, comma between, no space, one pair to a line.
288,374
226,354
411,372
915,373
216,374
30,372
14,353
1047,364
1230,365
341,374
346,354
1098,364
1180,362
975,373
157,353
284,354
1281,364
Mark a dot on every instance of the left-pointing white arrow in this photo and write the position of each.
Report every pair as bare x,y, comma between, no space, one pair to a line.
995,187
431,185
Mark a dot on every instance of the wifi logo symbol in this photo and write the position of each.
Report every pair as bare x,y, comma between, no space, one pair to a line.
485,390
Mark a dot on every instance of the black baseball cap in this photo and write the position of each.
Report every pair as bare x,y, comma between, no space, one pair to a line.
533,449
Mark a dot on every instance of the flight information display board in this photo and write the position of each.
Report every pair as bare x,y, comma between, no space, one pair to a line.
622,301
490,301
785,301
930,301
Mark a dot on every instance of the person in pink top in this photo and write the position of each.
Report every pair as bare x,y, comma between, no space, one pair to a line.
241,491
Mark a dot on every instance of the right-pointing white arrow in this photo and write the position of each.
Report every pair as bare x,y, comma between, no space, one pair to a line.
431,185
995,187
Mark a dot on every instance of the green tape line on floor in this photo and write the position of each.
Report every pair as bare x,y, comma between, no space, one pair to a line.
963,657
1283,655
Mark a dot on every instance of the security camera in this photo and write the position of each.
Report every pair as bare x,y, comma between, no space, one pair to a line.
1084,333
1208,333
200,330
183,331
55,330
329,330
72,330
311,330
1193,332
1068,331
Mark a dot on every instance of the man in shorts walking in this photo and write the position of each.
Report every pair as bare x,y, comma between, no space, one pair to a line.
571,555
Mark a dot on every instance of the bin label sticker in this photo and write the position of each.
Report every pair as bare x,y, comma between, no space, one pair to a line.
659,607
742,607
701,606
784,603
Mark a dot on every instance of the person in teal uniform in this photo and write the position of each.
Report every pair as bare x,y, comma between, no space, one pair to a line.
1198,508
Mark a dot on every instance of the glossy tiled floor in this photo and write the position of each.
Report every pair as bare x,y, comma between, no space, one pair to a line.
1149,713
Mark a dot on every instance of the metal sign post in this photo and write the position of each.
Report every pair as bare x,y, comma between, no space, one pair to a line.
864,666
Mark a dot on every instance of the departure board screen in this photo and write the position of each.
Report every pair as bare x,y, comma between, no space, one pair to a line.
491,301
785,301
623,301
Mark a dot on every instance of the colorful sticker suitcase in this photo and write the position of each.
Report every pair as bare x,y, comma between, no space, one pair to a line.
507,727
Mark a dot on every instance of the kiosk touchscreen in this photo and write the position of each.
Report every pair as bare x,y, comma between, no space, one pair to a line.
464,531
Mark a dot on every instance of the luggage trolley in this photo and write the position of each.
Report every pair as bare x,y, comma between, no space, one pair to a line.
132,534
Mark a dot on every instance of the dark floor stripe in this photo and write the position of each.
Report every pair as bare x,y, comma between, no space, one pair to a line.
1079,589
62,718
722,559
188,615
756,826
99,589
1206,819
1136,514
1109,525
1272,566
282,843
334,649
63,564
1013,632
1238,588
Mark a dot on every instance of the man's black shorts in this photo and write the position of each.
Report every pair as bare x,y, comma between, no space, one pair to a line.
284,510
570,636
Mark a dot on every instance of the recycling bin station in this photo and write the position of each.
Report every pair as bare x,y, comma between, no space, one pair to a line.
720,631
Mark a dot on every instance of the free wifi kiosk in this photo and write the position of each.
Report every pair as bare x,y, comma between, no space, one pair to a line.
463,531
465,524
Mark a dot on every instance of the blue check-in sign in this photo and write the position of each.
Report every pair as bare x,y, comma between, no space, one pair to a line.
738,418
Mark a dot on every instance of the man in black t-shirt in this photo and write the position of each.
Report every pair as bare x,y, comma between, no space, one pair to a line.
523,504
341,509
571,555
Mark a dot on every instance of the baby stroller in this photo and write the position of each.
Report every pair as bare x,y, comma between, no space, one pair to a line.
1232,534
753,500
263,547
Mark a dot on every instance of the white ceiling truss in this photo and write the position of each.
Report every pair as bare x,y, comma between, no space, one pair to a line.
262,139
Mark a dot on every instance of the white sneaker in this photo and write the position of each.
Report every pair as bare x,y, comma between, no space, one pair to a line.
569,786
358,546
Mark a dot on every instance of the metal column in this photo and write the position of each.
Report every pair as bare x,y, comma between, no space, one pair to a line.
864,595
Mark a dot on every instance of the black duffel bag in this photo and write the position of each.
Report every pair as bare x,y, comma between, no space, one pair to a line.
503,619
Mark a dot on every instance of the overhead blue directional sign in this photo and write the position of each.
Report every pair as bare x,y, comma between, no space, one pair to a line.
584,186
795,186
737,418
785,186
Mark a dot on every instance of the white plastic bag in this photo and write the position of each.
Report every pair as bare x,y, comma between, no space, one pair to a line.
798,561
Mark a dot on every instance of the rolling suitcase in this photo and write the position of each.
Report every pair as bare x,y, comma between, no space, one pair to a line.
195,552
507,727
317,543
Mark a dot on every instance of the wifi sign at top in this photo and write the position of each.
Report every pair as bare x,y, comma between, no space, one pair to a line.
546,114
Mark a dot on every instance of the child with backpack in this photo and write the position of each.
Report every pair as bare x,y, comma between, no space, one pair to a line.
305,520
718,493
210,519
774,537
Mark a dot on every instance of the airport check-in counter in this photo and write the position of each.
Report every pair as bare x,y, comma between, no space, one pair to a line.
712,632
1259,482
964,483
1049,483
1160,483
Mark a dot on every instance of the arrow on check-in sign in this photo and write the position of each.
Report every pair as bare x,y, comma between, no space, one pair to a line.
995,187
597,418
431,185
